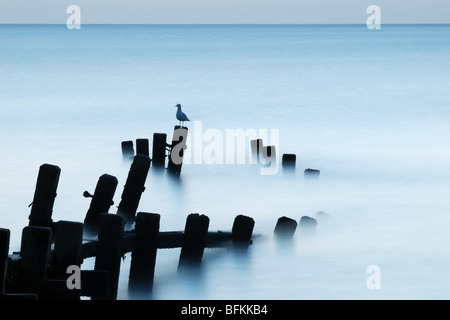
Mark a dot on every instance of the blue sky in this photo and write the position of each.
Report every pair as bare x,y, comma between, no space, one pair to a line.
221,11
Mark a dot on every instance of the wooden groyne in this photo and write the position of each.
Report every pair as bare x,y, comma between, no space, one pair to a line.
39,270
51,253
48,265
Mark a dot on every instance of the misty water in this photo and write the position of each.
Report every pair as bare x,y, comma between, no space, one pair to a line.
368,108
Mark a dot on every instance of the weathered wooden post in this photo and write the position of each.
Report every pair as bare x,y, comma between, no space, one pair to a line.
127,150
142,147
134,187
242,229
143,257
311,173
269,153
256,147
35,254
288,162
4,250
44,196
285,228
194,240
177,150
110,235
159,150
67,251
307,225
35,251
101,202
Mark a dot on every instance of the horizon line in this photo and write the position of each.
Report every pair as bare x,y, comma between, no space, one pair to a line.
225,24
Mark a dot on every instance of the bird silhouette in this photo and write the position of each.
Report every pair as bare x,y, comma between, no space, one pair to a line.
181,116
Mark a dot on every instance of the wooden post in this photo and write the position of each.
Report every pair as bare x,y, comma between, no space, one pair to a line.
269,154
256,147
67,251
35,253
288,162
242,229
285,227
134,187
312,173
44,196
127,150
4,250
177,150
194,240
159,150
34,250
143,257
142,147
110,235
307,224
101,202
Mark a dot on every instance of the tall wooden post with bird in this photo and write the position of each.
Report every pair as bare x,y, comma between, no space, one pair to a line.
178,144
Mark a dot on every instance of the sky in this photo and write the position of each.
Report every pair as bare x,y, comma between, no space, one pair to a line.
224,11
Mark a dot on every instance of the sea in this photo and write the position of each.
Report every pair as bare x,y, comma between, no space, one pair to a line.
368,108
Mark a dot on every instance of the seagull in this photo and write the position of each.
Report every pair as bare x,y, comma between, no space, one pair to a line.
181,116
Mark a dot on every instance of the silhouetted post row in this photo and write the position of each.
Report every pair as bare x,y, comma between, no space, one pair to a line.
41,269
